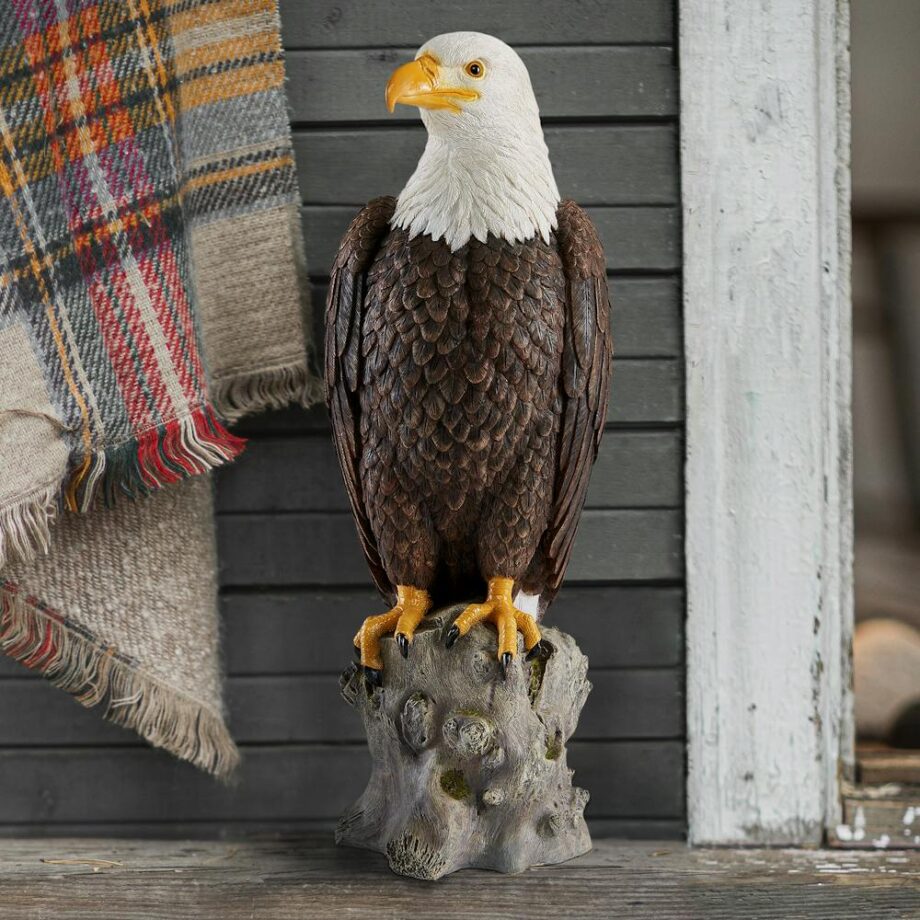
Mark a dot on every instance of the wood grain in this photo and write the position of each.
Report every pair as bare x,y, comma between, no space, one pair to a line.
307,631
879,816
635,703
364,23
663,829
594,164
285,782
322,548
287,632
769,452
608,82
889,766
310,879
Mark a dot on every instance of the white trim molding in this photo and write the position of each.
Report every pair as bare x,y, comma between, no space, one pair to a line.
765,177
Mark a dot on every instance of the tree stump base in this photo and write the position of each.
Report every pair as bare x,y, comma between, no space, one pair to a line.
469,770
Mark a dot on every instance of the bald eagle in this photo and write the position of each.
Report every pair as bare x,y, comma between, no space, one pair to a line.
467,358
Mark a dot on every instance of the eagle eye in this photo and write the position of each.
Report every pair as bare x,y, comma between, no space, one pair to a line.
476,69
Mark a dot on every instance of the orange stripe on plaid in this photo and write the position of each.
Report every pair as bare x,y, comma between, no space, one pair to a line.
148,42
222,51
259,78
218,12
236,172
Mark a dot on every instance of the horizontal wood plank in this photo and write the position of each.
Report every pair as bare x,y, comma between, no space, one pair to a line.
600,828
585,82
310,630
634,469
888,765
362,23
309,878
634,239
646,391
288,782
322,548
595,165
879,816
643,391
636,703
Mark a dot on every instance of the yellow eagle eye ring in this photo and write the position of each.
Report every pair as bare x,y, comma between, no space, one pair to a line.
475,69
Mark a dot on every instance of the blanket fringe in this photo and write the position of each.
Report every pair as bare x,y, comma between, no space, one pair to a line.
273,388
160,456
25,526
98,675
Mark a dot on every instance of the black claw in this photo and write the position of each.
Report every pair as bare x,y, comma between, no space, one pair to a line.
453,634
542,649
373,677
403,642
503,663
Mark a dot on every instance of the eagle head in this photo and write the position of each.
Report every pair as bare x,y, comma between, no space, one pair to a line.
467,83
486,168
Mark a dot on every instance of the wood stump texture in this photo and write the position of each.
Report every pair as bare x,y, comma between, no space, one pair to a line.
469,770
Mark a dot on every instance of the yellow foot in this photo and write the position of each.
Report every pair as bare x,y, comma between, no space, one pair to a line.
411,606
499,609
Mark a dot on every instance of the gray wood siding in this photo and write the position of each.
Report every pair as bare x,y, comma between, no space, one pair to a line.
294,583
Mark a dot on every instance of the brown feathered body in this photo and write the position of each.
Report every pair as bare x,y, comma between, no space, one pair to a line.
468,392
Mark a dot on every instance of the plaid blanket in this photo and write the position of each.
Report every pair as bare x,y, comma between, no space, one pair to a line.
142,143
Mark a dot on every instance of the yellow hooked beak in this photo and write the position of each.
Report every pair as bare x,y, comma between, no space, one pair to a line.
418,83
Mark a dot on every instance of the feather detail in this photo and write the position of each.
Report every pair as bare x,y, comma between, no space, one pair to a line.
344,360
585,375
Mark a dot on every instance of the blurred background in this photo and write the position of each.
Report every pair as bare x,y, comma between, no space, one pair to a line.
886,380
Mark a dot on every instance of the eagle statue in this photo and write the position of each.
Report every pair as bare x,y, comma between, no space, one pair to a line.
467,359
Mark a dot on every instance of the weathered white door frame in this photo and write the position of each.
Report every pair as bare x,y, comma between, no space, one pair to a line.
765,167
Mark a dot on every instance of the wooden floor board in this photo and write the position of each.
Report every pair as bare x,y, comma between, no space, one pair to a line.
308,878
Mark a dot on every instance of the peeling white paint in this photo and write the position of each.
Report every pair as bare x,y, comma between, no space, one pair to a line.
765,178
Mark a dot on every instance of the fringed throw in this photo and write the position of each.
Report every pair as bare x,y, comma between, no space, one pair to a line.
148,229
121,615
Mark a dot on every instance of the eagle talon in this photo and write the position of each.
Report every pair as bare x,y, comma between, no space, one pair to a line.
542,650
373,678
453,634
411,606
499,610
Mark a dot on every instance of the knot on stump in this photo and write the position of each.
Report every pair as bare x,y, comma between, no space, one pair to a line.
469,769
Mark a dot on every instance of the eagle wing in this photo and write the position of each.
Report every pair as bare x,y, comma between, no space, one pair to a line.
343,360
585,382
